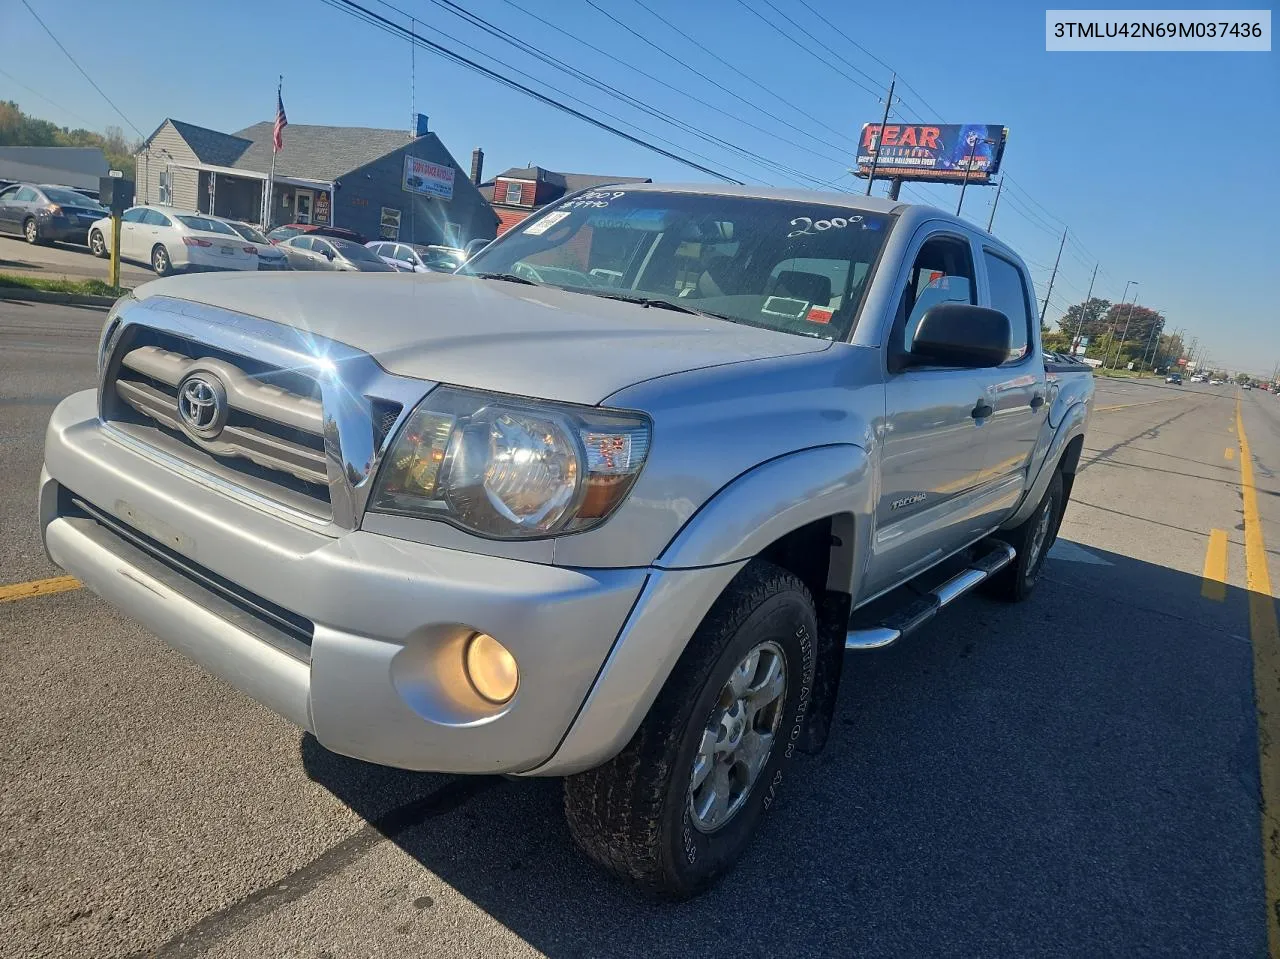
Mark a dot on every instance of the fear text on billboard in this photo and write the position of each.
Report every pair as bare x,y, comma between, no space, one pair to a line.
932,151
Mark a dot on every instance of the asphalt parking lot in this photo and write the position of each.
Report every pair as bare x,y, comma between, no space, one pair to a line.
1078,775
63,261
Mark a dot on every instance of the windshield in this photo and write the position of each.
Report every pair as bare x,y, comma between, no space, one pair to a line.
354,251
248,232
205,225
784,265
72,198
281,233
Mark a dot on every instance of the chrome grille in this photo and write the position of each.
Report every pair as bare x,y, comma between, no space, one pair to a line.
301,423
265,424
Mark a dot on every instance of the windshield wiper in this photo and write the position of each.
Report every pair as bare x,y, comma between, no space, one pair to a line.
657,303
509,277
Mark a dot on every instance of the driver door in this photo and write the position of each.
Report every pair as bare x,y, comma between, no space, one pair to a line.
934,436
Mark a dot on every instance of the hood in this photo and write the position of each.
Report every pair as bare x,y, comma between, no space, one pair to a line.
489,334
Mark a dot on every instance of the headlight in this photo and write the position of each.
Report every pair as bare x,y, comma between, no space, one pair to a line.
509,468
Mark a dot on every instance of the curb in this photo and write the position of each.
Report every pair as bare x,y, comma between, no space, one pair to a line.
48,296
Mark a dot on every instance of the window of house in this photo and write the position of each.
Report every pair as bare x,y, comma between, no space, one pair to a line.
166,186
942,273
1009,296
515,190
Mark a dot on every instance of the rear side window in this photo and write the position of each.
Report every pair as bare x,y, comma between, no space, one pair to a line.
1009,296
155,218
25,195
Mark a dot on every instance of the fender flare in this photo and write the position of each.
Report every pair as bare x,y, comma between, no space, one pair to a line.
745,516
768,501
1072,425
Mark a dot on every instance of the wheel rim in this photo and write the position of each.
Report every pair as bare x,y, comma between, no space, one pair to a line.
95,241
1038,538
31,230
160,261
738,738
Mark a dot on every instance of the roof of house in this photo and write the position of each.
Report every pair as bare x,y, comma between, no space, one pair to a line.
318,152
568,182
68,166
211,146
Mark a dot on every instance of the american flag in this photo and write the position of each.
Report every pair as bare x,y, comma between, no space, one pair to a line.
277,133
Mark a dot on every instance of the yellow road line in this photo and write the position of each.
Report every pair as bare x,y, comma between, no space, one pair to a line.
1214,584
38,587
1231,453
1265,636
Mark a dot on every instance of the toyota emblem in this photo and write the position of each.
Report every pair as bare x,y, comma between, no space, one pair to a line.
202,405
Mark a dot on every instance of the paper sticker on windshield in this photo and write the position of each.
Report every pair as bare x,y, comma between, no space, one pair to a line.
820,314
546,223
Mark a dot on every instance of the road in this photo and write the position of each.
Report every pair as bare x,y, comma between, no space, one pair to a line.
1074,776
63,261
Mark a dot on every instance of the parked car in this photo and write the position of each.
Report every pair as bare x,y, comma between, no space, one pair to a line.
1246,386
42,213
309,252
1176,379
630,540
418,257
282,233
270,257
1215,382
171,241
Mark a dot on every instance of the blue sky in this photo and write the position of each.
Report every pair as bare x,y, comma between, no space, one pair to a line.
1162,164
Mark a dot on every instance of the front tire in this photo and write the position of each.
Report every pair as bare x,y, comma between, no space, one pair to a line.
1032,540
678,806
160,261
97,244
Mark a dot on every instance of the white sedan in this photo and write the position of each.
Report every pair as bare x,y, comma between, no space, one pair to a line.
172,241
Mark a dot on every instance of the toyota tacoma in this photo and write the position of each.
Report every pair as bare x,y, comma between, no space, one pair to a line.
610,504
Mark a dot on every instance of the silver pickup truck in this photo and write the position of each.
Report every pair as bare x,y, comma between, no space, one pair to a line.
612,507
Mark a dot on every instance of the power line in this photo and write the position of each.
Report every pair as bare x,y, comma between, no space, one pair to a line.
746,76
608,89
834,53
36,93
81,69
781,32
855,43
719,86
374,19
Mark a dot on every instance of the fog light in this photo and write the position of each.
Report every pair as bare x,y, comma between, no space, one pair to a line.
490,668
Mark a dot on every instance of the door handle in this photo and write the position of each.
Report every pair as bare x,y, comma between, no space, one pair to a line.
1037,401
981,411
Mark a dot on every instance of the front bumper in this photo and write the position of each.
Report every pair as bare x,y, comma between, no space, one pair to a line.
369,655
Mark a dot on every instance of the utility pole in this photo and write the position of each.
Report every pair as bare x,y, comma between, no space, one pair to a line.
1052,276
1075,340
875,156
992,218
1153,341
968,167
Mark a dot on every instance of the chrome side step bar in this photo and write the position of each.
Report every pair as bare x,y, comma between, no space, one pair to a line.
918,612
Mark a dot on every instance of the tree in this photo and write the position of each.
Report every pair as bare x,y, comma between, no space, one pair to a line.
23,130
1093,311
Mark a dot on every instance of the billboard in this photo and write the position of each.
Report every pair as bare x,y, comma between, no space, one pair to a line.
937,152
427,178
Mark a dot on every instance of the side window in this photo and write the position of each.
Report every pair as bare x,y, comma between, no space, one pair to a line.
379,249
301,242
1009,296
156,218
9,194
25,195
942,273
321,247
135,215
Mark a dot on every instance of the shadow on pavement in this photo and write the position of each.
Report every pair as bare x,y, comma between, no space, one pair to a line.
1074,776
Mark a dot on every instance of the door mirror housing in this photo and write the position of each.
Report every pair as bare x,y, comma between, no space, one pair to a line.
958,334
475,246
328,254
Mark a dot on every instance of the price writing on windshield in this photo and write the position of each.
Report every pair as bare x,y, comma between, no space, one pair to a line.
595,199
812,227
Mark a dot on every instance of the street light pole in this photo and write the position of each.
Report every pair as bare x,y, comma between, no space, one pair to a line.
1127,317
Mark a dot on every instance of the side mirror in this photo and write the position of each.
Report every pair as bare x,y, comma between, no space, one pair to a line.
328,254
957,334
475,246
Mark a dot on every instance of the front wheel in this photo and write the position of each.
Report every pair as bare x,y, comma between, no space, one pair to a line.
97,244
679,805
1032,540
160,261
